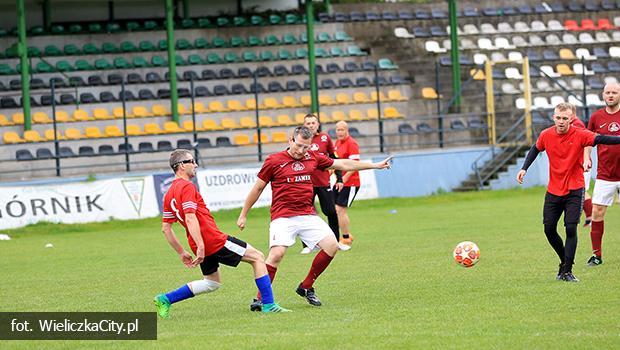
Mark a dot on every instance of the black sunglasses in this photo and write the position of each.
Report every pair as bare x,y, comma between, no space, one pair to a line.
187,161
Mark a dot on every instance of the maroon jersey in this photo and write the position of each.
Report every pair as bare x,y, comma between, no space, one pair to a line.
565,153
578,123
603,123
183,198
349,149
321,143
291,182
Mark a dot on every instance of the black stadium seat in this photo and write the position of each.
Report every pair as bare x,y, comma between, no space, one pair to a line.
115,79
65,152
145,147
208,74
146,94
406,129
23,154
67,99
223,141
106,96
184,144
95,80
106,149
204,143
87,97
275,86
125,148
293,85
227,73
44,153
152,77
134,78
201,91
220,90
86,151
238,89
164,145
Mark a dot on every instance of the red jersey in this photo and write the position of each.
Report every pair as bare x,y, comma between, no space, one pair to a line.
578,123
603,123
292,193
183,198
348,149
565,153
322,144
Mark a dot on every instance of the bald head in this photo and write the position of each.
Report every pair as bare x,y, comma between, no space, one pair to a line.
611,95
342,130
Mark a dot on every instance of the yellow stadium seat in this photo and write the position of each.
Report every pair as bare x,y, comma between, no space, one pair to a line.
306,100
140,112
73,134
343,99
18,118
117,112
338,116
326,100
229,123
477,74
272,103
199,107
299,118
263,138
395,95
93,132
182,110
356,114
290,102
285,120
4,121
49,135
152,129
241,140
372,114
32,136
247,122
250,104
102,114
564,69
63,117
429,93
324,118
41,118
279,136
188,125
266,121
81,115
160,110
567,54
235,105
172,127
11,137
217,107
113,131
134,130
373,96
360,97
391,112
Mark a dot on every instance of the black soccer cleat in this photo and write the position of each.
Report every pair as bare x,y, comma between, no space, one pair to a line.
309,295
559,275
256,305
569,277
595,261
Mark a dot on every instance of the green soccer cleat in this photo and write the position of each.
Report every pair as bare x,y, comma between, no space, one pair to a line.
163,306
268,308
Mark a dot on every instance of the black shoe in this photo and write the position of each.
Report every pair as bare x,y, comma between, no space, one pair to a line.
559,276
309,295
257,305
569,277
595,261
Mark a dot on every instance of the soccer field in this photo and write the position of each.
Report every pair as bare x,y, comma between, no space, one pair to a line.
397,288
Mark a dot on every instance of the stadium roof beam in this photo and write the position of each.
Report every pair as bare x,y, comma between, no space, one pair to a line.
314,94
172,65
454,55
22,50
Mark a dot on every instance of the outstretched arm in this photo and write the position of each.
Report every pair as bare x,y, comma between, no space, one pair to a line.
252,197
354,165
606,140
529,159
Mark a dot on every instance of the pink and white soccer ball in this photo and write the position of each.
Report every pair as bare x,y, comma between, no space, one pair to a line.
466,254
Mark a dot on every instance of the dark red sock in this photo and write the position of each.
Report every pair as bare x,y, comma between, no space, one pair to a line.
271,270
596,235
587,207
319,264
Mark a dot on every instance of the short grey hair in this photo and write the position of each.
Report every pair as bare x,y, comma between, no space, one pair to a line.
178,155
304,132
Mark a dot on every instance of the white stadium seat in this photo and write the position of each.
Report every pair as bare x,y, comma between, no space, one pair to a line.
543,85
521,27
480,58
611,80
586,38
548,70
602,37
553,39
615,36
541,102
555,25
584,53
576,84
569,39
538,26
433,47
487,28
614,51
498,56
518,41
617,21
556,100
470,29
508,88
579,69
467,44
520,103
485,44
535,40
515,56
503,43
575,101
402,33
504,27
594,100
513,73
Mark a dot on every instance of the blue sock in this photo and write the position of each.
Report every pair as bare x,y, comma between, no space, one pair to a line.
264,286
180,294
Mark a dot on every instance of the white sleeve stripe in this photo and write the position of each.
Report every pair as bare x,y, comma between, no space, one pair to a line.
190,206
189,202
354,156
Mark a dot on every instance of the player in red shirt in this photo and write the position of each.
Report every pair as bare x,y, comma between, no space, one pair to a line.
346,148
184,204
605,121
587,201
292,210
564,146
322,143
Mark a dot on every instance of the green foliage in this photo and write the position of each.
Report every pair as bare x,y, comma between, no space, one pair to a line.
398,288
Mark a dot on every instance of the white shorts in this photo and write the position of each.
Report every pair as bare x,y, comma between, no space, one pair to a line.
586,179
311,229
604,192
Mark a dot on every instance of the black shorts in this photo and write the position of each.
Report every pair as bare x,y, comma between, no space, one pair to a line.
345,197
569,204
230,254
326,200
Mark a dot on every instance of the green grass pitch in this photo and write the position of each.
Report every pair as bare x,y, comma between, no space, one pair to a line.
398,288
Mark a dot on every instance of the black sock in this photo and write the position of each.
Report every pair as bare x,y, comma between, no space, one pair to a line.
571,247
345,235
332,220
555,241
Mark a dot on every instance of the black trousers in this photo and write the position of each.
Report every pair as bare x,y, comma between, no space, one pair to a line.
328,207
570,205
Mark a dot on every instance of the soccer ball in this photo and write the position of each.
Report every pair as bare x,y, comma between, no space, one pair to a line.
466,254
